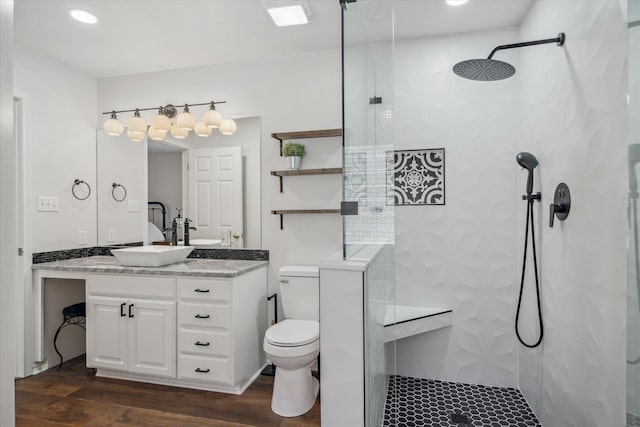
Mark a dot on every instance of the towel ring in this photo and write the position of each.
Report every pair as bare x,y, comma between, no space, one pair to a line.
81,189
118,192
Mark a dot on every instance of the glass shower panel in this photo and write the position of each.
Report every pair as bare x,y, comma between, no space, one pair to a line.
368,178
633,276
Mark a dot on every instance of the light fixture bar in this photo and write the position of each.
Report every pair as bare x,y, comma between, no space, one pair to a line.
173,105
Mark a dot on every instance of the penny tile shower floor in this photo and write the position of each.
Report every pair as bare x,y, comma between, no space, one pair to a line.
420,402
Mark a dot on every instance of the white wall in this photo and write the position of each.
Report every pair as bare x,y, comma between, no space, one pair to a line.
60,106
300,92
165,184
461,255
576,124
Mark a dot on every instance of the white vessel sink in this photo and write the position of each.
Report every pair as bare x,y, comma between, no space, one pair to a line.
151,256
204,243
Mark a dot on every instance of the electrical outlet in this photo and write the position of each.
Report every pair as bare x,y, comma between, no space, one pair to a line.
111,238
82,237
48,204
134,206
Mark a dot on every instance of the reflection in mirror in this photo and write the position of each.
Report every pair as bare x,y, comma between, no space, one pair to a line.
213,181
121,215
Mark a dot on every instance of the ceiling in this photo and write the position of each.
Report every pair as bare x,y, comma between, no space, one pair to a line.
137,36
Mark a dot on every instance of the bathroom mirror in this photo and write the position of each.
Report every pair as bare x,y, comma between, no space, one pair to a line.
188,174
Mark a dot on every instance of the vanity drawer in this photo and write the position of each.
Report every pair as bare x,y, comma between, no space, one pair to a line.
204,368
212,343
210,289
132,286
207,315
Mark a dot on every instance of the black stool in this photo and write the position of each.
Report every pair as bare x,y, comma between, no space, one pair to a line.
72,315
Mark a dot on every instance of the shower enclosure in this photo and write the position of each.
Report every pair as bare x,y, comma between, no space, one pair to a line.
567,106
633,264
368,143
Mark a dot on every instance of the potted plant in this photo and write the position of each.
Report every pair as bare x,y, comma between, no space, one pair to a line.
293,152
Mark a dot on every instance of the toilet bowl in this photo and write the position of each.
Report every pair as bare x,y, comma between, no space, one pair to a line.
293,346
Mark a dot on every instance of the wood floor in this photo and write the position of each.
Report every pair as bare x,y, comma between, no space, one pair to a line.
73,396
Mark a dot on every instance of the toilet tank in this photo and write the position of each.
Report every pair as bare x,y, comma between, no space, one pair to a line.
300,292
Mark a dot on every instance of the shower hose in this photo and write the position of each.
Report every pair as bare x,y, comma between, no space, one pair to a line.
530,201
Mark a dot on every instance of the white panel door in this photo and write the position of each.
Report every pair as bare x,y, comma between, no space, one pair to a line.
216,192
152,337
107,333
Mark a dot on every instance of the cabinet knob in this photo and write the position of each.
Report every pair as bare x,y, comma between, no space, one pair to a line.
200,316
202,291
202,371
203,344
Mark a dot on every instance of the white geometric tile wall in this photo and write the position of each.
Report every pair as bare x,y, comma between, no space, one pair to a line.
576,125
461,255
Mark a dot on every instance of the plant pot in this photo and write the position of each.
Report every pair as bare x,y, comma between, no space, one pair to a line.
293,162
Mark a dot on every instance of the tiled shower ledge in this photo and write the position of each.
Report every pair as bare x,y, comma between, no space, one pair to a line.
403,321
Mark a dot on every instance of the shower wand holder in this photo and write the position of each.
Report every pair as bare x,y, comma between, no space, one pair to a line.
531,197
561,205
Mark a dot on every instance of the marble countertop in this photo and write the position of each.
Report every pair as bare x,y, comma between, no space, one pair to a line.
188,267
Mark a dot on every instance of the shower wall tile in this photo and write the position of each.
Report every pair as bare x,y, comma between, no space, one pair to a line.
461,255
575,99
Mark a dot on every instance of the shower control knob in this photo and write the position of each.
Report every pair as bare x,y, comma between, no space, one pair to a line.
561,205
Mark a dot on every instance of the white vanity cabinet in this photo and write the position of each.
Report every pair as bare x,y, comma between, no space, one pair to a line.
197,332
131,324
221,323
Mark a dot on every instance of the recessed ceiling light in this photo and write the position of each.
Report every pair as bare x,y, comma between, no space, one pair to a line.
287,12
456,2
83,16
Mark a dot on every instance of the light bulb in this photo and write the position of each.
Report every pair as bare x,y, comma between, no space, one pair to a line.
135,136
160,122
113,126
137,123
228,127
186,120
178,133
212,118
155,134
202,130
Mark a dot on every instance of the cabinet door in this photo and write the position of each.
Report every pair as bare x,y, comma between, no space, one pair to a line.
107,333
152,337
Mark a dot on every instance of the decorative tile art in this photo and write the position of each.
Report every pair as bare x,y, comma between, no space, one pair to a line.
418,177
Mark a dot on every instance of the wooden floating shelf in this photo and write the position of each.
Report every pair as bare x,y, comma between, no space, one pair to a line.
306,134
301,172
283,212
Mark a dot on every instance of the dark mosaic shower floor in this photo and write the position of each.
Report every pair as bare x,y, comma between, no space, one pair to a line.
420,402
633,420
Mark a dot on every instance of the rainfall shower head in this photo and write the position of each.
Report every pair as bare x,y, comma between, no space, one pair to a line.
529,162
488,70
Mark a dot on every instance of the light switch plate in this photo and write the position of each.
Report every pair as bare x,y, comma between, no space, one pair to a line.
134,206
48,204
82,237
111,238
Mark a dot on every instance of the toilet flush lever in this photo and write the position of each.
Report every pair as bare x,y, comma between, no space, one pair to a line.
561,204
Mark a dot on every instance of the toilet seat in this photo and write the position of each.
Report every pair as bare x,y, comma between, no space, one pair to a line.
293,333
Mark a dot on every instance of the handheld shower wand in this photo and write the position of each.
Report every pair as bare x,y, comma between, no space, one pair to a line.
529,162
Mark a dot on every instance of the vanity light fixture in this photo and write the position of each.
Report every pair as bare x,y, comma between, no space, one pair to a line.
202,130
161,123
113,126
228,127
83,16
285,13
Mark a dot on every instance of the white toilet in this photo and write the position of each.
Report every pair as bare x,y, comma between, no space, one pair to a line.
294,343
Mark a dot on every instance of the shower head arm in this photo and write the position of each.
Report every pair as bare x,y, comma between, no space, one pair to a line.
558,41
